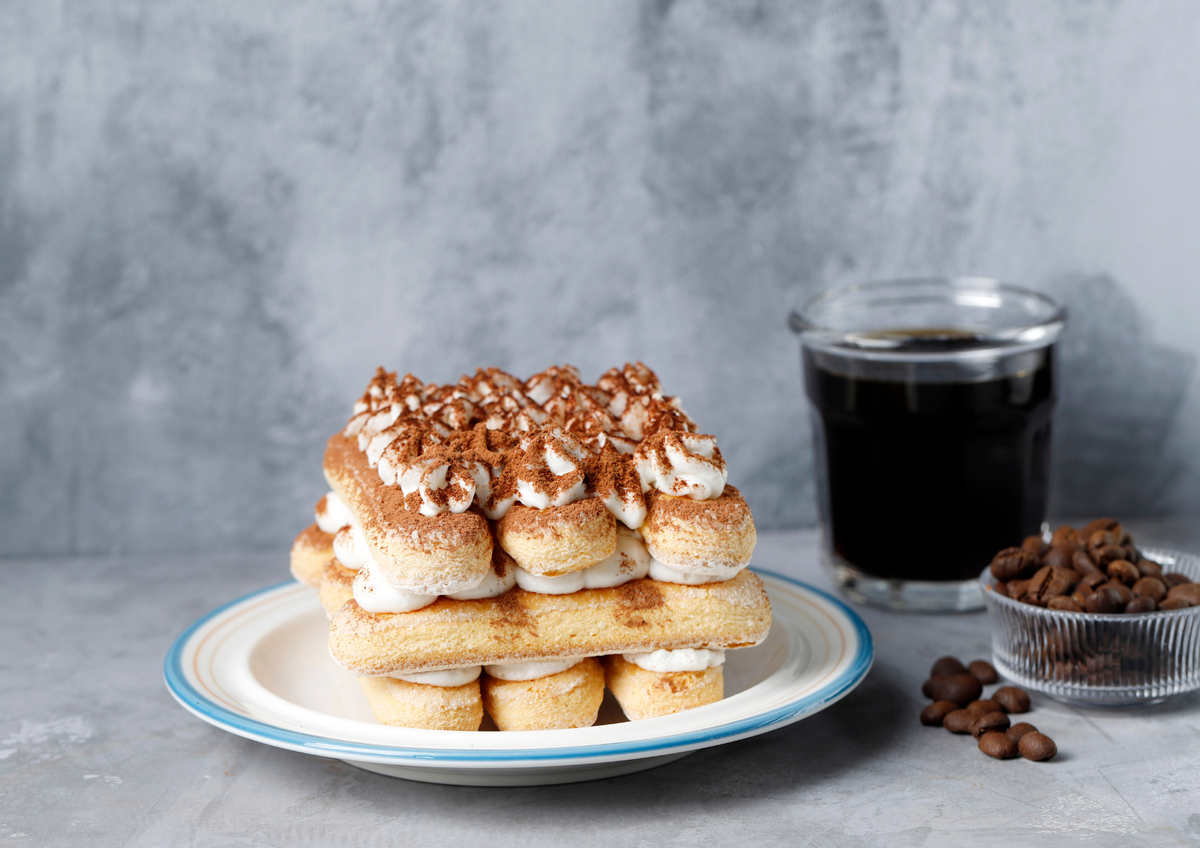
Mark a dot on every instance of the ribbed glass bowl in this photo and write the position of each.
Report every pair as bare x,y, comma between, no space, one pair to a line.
1099,660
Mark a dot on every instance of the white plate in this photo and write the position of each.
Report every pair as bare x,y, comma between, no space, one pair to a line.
259,667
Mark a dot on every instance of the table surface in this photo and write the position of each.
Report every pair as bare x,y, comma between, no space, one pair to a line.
93,750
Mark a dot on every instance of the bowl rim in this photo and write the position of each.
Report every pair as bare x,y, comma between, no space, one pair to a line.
987,581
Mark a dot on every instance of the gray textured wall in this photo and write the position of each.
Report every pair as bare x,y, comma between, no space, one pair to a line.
216,219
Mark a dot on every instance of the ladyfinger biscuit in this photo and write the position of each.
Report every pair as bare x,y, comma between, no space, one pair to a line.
700,536
429,555
636,617
570,698
336,587
311,551
559,539
402,704
646,694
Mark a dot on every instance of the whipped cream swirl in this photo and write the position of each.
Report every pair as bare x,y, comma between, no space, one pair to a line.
683,464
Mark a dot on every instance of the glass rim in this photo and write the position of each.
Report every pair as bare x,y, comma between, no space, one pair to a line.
1037,332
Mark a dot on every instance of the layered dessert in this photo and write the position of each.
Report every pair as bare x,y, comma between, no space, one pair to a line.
518,546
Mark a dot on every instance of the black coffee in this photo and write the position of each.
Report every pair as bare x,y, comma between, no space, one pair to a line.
927,481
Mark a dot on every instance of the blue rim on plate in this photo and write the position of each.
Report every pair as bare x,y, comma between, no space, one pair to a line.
220,716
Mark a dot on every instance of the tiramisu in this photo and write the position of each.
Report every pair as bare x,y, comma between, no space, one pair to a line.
513,546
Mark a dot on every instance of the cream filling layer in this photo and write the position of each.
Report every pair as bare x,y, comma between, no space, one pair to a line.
684,659
531,669
449,679
631,561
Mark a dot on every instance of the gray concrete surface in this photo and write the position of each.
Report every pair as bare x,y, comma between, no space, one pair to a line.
217,218
94,752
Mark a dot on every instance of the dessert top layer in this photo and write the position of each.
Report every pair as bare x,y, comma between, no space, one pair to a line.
493,440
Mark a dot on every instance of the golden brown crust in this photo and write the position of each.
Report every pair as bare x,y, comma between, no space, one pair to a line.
428,555
570,698
312,549
559,539
636,617
700,536
336,587
402,704
646,694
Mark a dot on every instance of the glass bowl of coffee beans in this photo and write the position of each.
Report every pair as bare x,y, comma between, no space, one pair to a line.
1087,617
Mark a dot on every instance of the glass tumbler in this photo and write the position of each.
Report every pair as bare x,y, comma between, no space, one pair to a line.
931,408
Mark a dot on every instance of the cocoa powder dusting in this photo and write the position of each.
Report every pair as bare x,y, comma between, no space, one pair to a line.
495,421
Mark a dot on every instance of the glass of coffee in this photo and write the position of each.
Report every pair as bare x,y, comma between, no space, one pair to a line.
931,406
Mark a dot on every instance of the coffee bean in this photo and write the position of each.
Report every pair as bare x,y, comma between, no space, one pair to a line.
1104,555
1104,600
935,713
1175,604
1141,603
947,666
1150,587
1131,553
1018,730
1149,568
1060,556
1013,563
1123,570
1083,563
998,745
982,707
959,721
962,688
1016,589
1035,545
1065,603
983,671
1012,699
1094,578
1174,578
1110,524
1187,591
991,721
1125,593
1066,535
1037,746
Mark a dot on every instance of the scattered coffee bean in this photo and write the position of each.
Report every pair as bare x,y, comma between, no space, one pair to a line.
982,707
1018,730
998,745
947,666
1037,746
1012,699
935,713
962,688
984,671
959,721
996,721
